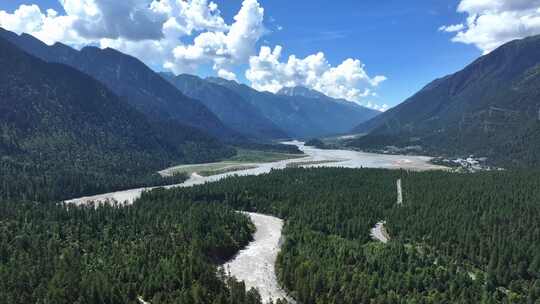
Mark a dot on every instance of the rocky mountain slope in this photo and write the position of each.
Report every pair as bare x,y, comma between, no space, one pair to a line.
231,108
490,108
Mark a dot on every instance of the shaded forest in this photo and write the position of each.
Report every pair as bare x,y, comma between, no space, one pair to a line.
64,134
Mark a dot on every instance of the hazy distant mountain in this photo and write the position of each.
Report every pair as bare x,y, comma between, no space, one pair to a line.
231,108
359,112
490,108
66,131
301,91
129,78
300,115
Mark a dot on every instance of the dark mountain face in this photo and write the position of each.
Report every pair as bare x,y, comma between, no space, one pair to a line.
39,98
128,78
65,131
487,109
231,108
302,116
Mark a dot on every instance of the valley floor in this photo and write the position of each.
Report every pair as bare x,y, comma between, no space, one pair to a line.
313,158
255,265
244,159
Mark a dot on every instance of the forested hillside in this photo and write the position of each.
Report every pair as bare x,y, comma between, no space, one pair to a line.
128,78
458,238
64,134
489,221
490,109
162,253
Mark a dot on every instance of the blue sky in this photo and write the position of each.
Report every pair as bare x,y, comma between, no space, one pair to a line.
398,39
395,38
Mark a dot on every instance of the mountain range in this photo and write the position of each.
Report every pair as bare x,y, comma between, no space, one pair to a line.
225,109
491,108
128,78
299,114
84,121
62,129
230,107
292,112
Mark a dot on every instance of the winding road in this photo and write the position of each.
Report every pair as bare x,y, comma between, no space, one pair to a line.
255,264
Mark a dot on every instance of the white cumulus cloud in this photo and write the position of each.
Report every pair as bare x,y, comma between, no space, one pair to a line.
348,80
226,74
151,30
47,26
452,28
224,48
491,23
129,19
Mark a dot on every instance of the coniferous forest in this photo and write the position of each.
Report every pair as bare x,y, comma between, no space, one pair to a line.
64,134
95,105
458,238
166,253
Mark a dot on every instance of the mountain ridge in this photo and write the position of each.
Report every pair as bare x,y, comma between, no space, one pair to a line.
63,130
301,116
300,91
129,78
485,109
229,107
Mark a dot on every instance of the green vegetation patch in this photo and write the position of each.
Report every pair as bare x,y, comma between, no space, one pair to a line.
244,159
262,156
161,251
457,238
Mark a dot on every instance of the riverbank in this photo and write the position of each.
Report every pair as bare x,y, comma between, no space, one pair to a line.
244,159
379,233
255,264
